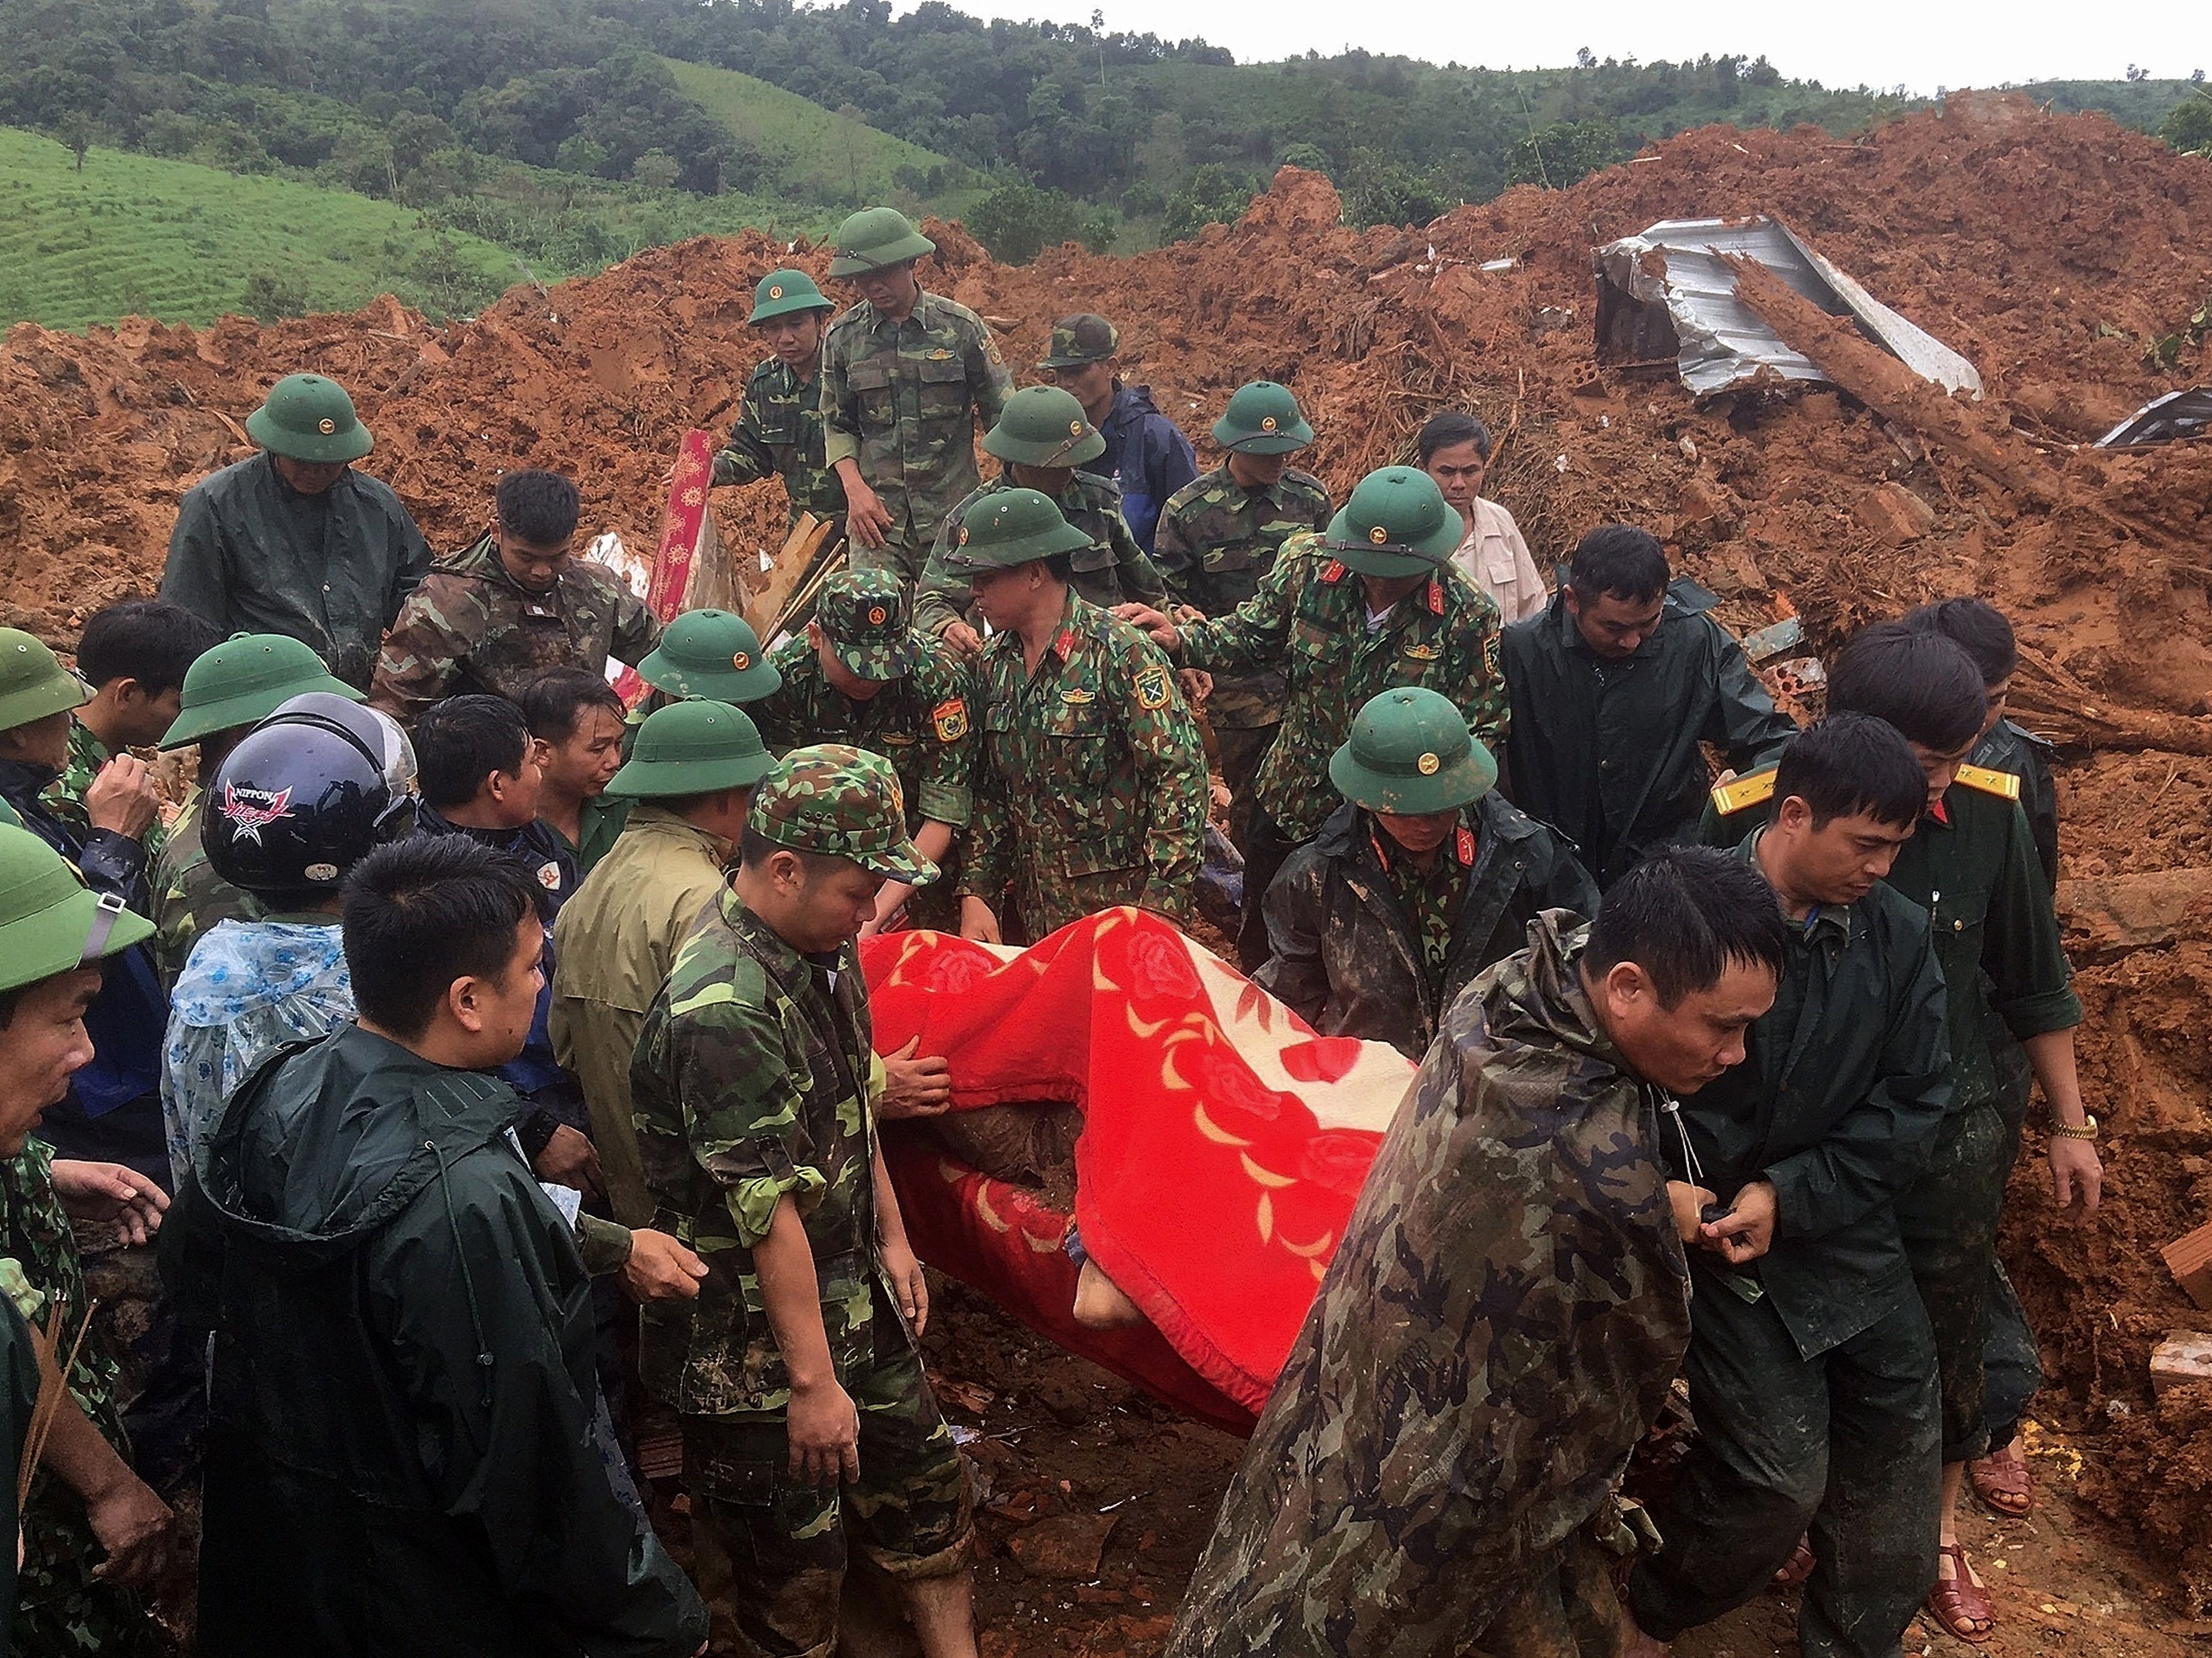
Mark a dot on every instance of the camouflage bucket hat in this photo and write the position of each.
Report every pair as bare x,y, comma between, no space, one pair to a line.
711,653
843,801
34,684
1011,527
50,921
1397,523
1044,426
692,747
782,292
1410,754
309,418
1077,340
1262,419
244,680
874,238
864,616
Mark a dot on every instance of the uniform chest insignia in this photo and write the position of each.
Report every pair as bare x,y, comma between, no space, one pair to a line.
548,876
1753,791
950,717
940,354
1428,652
1333,571
2003,784
1151,687
898,740
1077,695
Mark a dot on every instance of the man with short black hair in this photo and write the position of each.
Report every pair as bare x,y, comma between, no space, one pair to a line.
401,1453
1971,868
2012,1361
297,541
577,720
809,1425
1811,1366
1434,1470
1613,686
134,656
1145,453
481,777
517,603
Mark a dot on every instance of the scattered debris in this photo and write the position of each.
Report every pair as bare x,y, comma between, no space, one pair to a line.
2188,1258
2182,1358
1671,292
1066,1546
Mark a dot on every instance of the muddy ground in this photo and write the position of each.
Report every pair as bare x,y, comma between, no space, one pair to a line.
2069,259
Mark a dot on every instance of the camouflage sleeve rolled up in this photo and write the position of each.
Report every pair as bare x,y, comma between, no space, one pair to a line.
989,381
941,599
744,457
440,623
740,1105
1255,635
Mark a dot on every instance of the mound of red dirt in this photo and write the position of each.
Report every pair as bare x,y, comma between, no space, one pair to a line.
2056,253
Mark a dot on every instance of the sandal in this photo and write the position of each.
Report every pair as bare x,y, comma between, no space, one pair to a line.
1797,1568
2000,1479
1958,1601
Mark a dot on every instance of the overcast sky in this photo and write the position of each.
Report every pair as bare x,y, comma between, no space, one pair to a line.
1924,44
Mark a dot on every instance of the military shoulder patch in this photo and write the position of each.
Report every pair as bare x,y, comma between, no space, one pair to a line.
1753,791
950,719
2003,783
1152,688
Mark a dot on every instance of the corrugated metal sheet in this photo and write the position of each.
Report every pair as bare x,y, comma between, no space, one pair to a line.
2178,415
1677,271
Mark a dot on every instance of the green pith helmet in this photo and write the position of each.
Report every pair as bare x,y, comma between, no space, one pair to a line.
865,618
782,292
1410,754
1397,523
309,418
843,801
710,653
873,237
244,680
50,921
692,747
33,682
1262,419
1084,338
1044,426
1012,527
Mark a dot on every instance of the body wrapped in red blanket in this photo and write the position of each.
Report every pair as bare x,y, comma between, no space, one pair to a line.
1221,1147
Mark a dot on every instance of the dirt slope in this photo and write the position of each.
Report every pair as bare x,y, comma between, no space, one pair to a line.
2052,251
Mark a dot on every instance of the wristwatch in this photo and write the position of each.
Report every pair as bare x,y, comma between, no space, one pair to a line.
2087,1131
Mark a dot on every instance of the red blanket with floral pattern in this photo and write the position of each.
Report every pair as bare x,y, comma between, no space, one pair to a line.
1223,1143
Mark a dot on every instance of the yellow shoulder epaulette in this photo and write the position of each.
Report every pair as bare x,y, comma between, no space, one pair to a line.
1755,790
2003,783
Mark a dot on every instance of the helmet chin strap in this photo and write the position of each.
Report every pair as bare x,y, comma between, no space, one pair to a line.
104,919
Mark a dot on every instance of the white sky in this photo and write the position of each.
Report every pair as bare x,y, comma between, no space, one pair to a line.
1922,44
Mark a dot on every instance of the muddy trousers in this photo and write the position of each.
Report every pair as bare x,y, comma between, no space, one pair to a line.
771,1551
1267,849
2012,1366
1241,752
1844,1447
1566,1610
1949,1220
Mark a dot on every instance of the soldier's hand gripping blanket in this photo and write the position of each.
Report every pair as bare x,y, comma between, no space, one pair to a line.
1222,1144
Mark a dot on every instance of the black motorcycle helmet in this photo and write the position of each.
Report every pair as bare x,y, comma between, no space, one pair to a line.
305,795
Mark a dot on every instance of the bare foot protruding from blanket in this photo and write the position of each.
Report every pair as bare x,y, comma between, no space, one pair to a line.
1099,1303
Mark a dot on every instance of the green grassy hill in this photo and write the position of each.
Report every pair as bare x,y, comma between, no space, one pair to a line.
818,154
172,239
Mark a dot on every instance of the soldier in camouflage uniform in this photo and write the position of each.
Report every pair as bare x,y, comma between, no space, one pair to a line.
779,429
797,1369
1218,537
1420,880
1044,439
491,619
861,674
1091,786
905,376
1371,603
1434,1470
85,1501
226,692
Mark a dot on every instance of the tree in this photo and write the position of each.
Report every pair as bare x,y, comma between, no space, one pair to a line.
75,134
2135,74
1564,153
268,297
1211,195
656,170
1017,221
2188,125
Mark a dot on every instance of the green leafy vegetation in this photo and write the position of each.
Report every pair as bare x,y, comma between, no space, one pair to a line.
187,243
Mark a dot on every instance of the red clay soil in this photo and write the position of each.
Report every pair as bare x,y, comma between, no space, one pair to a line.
2053,251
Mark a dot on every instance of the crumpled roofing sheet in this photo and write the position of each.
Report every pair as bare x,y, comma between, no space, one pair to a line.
1681,264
